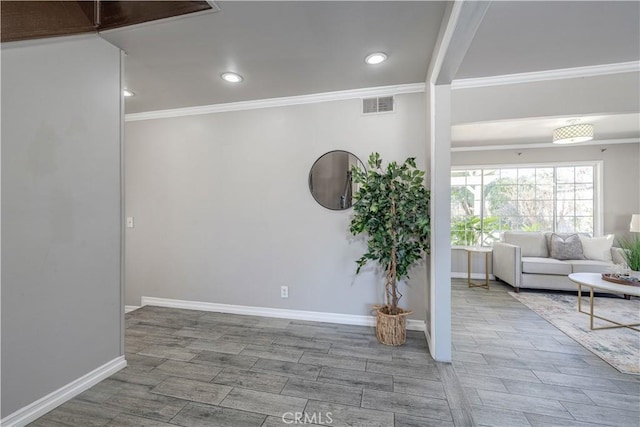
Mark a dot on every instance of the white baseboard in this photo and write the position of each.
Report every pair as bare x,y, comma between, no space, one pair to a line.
29,413
129,308
427,335
316,316
474,276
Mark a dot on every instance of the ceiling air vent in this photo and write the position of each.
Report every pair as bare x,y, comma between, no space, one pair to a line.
381,104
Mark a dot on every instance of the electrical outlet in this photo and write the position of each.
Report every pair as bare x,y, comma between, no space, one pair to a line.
129,222
284,292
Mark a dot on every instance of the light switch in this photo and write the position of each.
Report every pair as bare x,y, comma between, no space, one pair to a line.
129,222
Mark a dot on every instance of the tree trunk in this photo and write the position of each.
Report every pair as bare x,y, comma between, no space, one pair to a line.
391,283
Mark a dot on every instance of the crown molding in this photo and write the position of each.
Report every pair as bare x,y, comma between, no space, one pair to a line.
545,145
278,102
566,73
539,76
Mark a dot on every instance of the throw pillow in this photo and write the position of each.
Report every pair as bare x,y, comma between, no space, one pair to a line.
566,247
597,248
548,235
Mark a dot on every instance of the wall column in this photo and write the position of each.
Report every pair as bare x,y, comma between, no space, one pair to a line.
439,273
459,25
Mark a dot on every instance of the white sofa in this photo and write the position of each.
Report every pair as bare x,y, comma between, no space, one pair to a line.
522,259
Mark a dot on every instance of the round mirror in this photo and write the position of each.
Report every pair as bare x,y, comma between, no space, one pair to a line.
330,180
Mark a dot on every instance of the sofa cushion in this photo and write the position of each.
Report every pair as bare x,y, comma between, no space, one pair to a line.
532,244
597,248
565,247
539,265
589,266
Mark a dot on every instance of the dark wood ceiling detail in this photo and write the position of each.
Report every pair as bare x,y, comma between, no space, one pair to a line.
22,20
114,14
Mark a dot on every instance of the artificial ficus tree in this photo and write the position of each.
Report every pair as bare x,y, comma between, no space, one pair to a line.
392,209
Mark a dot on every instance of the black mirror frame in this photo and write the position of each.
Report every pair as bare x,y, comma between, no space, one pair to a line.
310,183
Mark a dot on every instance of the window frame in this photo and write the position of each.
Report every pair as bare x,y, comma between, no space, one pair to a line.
598,202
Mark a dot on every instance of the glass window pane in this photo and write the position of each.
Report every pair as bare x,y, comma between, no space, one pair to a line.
490,237
511,174
584,191
565,191
527,191
584,224
566,207
544,176
474,180
458,180
545,223
584,208
544,192
565,174
565,225
584,174
526,175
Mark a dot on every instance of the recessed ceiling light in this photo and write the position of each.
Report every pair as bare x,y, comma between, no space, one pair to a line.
127,93
232,77
375,58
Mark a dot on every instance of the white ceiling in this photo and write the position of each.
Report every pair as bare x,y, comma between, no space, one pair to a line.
297,48
520,37
281,49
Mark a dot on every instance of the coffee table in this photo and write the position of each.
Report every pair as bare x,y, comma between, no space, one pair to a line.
594,281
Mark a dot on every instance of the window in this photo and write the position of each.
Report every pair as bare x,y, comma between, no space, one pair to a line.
488,200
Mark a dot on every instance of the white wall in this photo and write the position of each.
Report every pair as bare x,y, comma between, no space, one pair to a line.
223,211
61,294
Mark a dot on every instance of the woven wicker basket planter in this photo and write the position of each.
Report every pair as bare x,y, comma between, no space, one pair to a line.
391,329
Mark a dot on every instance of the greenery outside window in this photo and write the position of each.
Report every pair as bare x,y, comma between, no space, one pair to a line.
488,200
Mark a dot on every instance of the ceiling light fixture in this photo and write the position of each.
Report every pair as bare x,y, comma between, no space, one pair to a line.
375,58
573,134
127,93
231,77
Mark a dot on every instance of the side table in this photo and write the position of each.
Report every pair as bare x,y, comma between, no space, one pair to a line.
478,250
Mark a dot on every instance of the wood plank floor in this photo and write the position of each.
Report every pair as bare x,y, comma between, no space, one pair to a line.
511,368
519,370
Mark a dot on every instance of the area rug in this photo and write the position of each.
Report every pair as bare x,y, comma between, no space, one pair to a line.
619,347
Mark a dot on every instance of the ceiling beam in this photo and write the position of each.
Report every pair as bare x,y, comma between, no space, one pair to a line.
461,22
